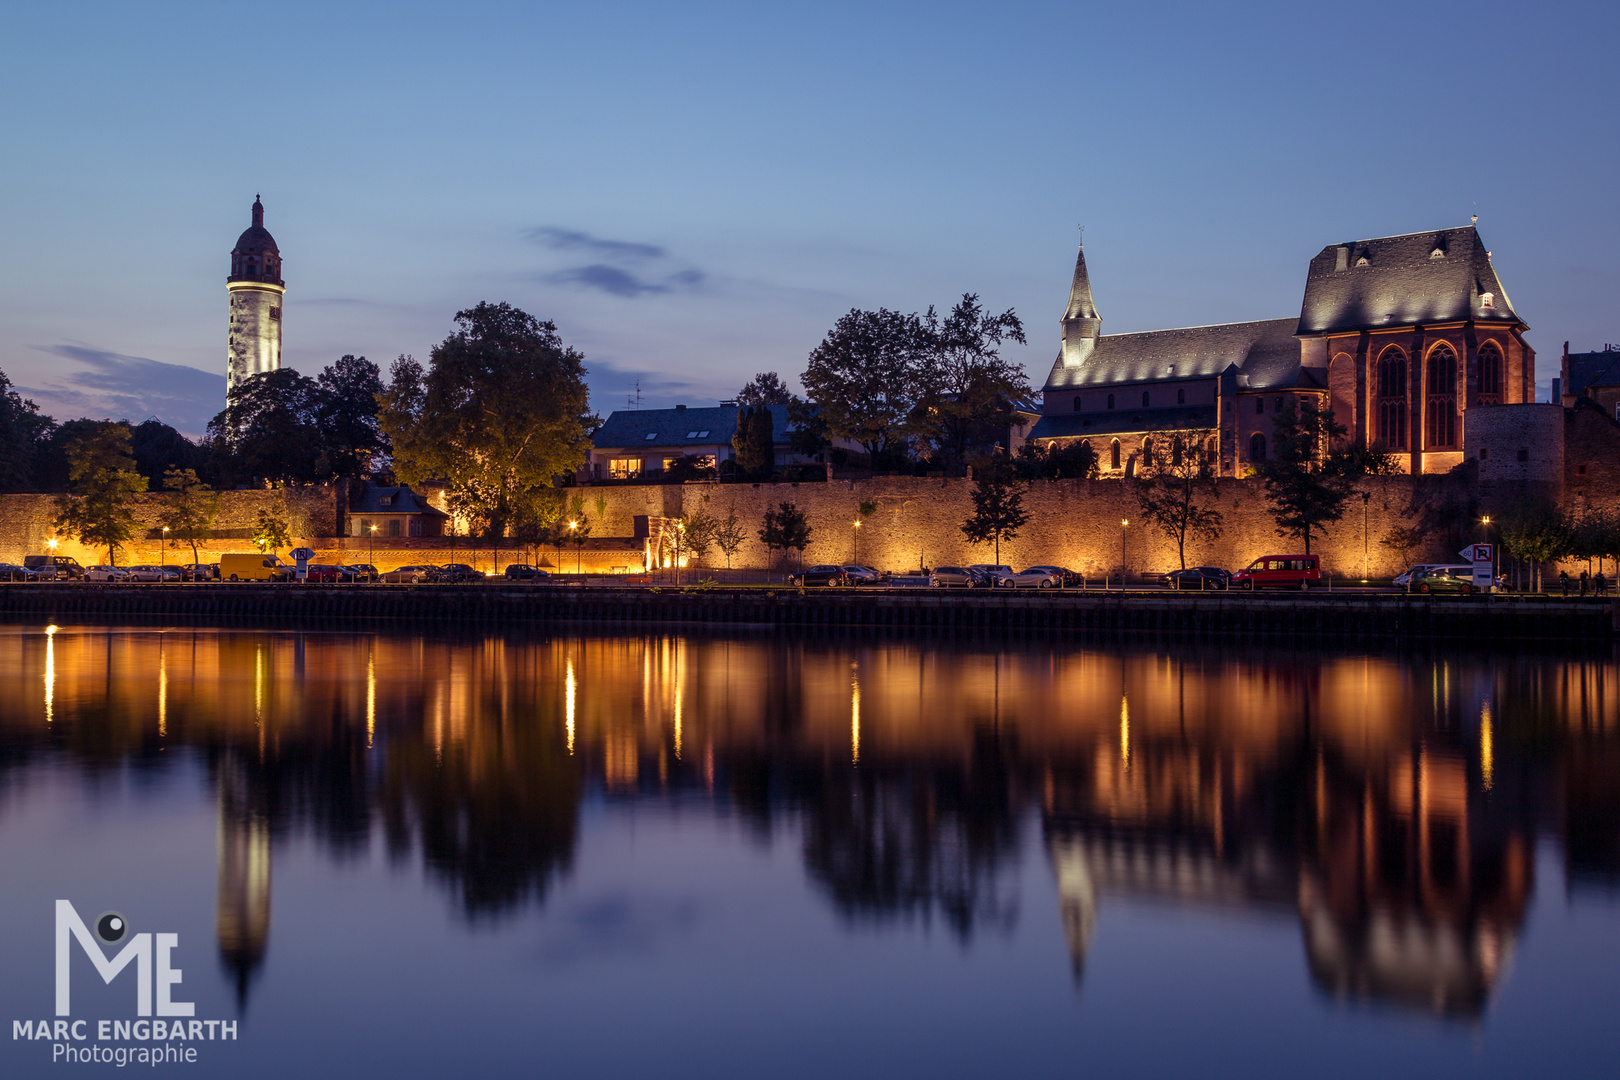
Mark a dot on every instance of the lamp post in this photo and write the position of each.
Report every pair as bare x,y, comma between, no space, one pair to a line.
371,550
1366,496
163,556
573,526
857,557
1124,523
1486,521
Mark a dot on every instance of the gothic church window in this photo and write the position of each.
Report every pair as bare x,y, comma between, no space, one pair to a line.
1113,450
1490,374
1440,412
1257,447
1392,399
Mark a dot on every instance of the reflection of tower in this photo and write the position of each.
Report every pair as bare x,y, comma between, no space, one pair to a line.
256,290
1077,897
242,910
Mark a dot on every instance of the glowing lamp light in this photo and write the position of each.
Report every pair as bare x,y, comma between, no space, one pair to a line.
51,543
573,524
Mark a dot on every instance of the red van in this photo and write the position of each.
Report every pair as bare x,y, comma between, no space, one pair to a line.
1279,572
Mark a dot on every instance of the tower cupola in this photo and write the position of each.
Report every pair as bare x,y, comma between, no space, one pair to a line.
255,256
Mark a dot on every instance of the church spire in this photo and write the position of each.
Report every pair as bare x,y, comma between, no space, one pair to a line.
1081,323
258,213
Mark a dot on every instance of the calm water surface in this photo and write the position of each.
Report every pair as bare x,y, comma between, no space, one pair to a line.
388,854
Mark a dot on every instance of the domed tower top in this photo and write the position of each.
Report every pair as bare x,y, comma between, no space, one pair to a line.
256,257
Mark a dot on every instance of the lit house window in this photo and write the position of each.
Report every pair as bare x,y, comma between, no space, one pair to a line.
1487,301
624,468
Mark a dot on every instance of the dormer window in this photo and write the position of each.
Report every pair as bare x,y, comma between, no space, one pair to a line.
1487,301
1362,260
703,434
1437,253
385,500
691,434
651,435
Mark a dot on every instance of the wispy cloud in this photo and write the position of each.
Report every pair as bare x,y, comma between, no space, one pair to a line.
625,268
110,384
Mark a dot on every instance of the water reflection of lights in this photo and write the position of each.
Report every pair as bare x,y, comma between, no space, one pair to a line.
50,673
163,692
1125,732
1487,749
568,693
854,717
371,693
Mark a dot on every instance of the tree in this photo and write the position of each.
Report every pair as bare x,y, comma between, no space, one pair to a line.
1537,535
787,528
191,508
754,445
766,388
699,529
347,415
270,429
998,505
970,390
1076,459
500,412
866,377
1306,485
729,534
1179,491
807,431
271,533
535,517
159,448
1401,539
104,480
23,432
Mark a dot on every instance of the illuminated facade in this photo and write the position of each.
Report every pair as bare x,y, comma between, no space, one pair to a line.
256,292
1401,335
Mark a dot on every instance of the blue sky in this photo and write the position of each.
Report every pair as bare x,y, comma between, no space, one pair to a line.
696,192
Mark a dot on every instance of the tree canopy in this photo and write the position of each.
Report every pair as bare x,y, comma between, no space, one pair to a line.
1177,490
754,445
23,432
104,480
347,414
868,376
1307,485
766,388
998,505
498,414
270,429
970,390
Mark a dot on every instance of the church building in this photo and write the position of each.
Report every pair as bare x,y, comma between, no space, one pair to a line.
256,289
1401,335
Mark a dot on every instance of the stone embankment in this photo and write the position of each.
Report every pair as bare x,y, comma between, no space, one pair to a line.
1474,618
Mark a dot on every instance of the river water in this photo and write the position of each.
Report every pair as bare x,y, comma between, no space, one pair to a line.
741,856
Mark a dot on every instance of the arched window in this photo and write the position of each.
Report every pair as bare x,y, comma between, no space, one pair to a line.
1144,399
1077,403
1111,405
1175,453
1490,374
1257,447
1181,395
1147,451
1113,451
1392,399
1440,405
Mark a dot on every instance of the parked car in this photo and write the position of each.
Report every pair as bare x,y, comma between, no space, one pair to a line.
525,572
13,572
1036,577
153,573
201,571
105,573
1410,578
54,567
1066,578
823,574
454,573
862,575
1280,572
323,573
1457,579
408,575
948,577
358,572
1404,578
998,575
1198,577
252,566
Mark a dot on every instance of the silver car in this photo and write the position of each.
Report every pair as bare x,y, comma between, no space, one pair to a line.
1036,577
153,573
105,573
857,574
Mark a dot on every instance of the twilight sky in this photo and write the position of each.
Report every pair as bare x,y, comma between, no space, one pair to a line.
695,192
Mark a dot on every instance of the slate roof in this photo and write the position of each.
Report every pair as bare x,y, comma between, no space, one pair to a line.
1403,282
628,428
368,500
1593,369
1266,352
1121,421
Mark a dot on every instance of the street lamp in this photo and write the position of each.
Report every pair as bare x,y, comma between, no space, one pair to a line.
163,556
1124,523
371,551
1366,497
857,557
572,527
1486,521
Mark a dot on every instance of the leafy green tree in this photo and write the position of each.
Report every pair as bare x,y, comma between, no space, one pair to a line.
1177,491
346,411
104,481
699,530
1402,539
970,389
1076,459
787,528
766,388
1307,485
535,518
867,378
754,445
270,429
191,509
807,431
1537,535
730,534
24,431
500,412
998,505
271,533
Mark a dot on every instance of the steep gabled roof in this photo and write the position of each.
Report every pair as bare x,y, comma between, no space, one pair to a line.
402,500
679,427
1266,352
1425,277
1593,369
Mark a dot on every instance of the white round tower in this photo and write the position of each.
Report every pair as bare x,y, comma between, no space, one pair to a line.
256,290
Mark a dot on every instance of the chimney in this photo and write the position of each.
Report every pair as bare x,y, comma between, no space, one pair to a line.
1341,258
680,407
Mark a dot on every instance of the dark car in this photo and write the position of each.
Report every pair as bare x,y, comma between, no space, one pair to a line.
322,574
358,572
862,575
454,573
54,567
1205,578
525,572
199,571
11,572
1457,579
824,574
963,577
1070,579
